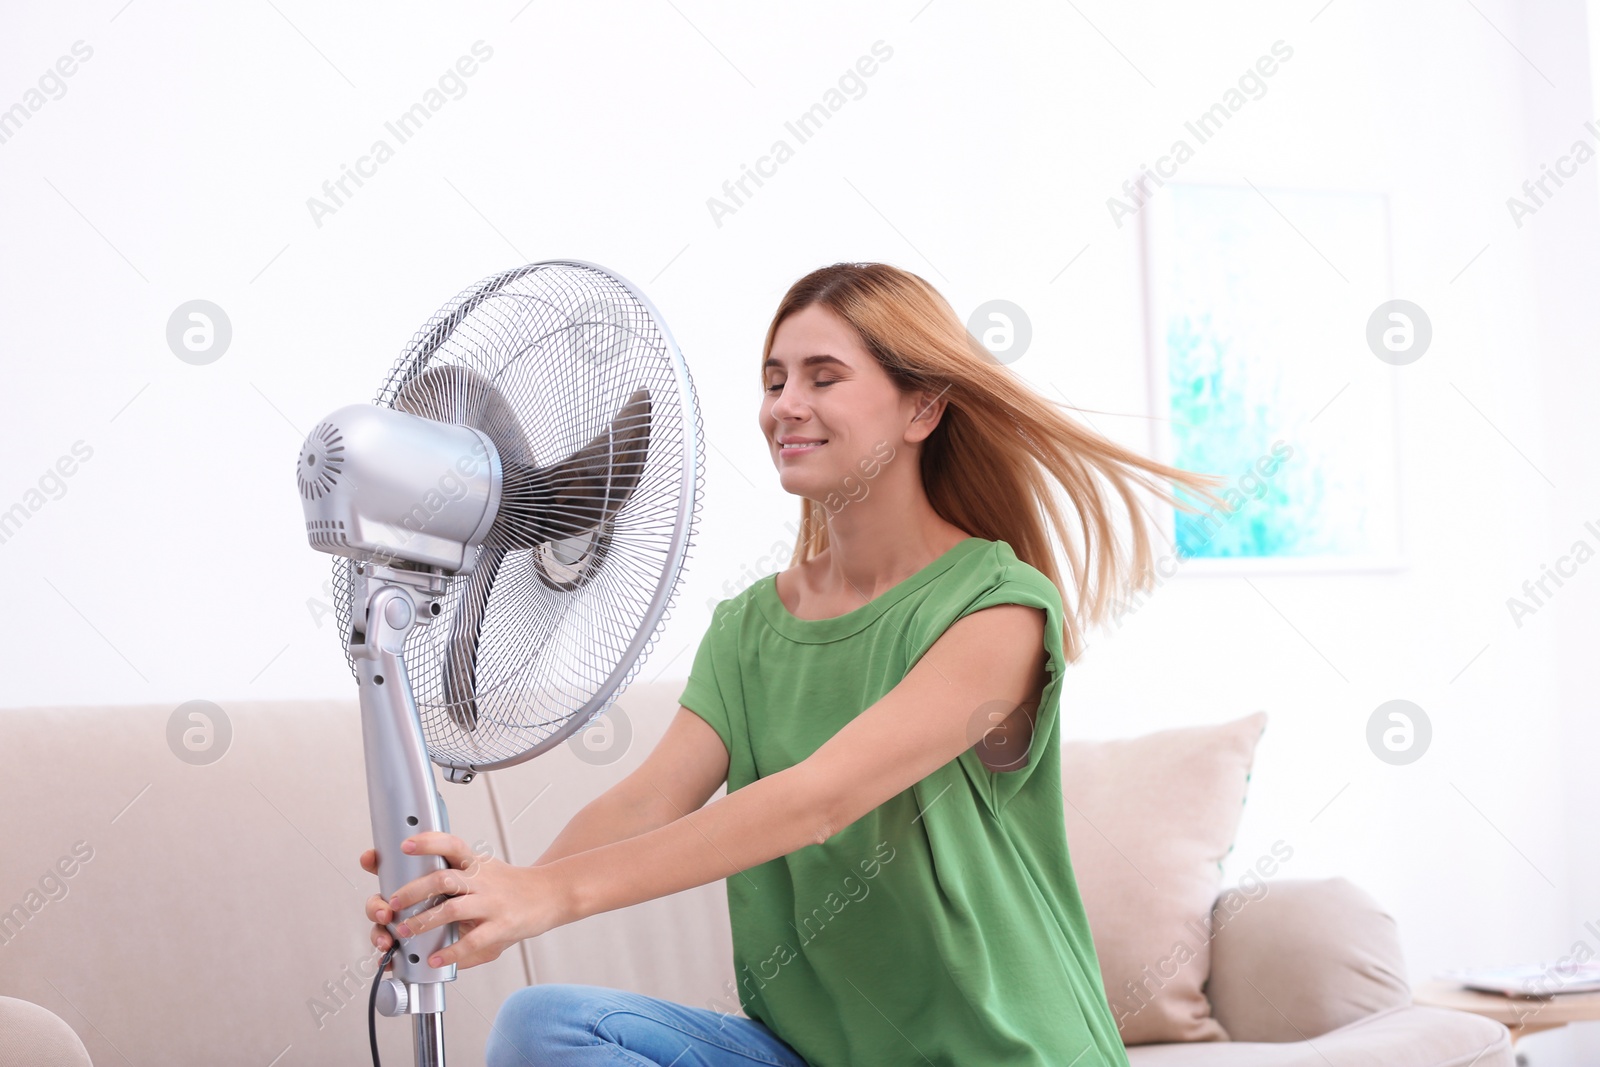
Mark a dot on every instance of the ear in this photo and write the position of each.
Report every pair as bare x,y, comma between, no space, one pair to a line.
927,408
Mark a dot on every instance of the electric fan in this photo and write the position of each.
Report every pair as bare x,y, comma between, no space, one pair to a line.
509,520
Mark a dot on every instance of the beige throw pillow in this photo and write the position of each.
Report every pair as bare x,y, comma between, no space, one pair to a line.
1149,820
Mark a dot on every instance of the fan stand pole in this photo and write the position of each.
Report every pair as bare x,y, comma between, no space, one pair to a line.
400,790
427,1036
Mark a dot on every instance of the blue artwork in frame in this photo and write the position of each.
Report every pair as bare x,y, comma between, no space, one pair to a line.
1258,300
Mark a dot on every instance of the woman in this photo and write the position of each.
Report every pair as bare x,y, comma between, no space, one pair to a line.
884,713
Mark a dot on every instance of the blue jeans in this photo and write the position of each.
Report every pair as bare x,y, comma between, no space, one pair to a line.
564,1024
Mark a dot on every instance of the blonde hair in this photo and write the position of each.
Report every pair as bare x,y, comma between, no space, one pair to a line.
987,466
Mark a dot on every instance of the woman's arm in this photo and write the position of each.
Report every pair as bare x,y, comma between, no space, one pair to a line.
680,773
920,725
615,815
687,765
770,817
991,658
500,904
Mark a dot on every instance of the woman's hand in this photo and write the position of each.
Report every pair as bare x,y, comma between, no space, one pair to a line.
494,903
377,908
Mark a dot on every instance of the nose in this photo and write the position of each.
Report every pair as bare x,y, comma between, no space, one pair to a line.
788,404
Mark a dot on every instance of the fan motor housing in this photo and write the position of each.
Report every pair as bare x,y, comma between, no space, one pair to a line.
392,487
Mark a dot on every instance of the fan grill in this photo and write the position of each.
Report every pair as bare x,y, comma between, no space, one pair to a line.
543,359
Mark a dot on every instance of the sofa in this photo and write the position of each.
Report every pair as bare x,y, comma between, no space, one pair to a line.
180,886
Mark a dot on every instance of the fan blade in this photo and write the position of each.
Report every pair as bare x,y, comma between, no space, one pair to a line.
460,666
577,494
459,394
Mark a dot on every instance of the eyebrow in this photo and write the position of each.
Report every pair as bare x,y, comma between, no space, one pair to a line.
809,361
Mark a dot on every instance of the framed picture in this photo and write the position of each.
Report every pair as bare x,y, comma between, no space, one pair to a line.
1258,302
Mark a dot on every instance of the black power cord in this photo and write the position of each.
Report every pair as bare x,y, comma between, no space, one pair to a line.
372,1002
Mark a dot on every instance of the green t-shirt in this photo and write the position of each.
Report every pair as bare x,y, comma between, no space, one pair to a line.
944,927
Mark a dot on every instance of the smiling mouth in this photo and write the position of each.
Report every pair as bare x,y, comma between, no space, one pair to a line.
809,446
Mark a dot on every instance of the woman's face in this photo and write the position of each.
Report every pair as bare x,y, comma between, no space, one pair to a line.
821,384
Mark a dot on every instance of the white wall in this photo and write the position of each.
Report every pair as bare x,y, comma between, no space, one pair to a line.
178,164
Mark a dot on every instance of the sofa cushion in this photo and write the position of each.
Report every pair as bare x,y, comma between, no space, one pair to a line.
1398,1037
1304,957
1149,820
31,1036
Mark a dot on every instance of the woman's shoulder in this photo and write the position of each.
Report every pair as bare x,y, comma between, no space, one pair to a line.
996,565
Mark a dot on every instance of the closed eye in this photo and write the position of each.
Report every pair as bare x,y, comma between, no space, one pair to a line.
820,381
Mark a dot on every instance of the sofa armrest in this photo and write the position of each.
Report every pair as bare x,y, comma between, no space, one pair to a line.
31,1036
1296,958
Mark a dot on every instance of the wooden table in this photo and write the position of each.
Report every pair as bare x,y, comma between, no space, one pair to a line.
1520,1015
